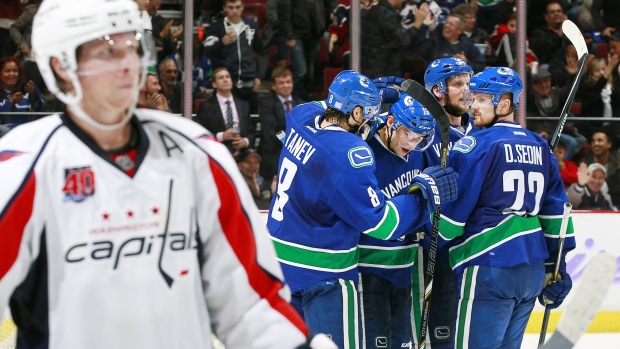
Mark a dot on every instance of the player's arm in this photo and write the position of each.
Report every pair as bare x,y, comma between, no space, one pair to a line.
551,210
246,297
454,214
359,202
20,222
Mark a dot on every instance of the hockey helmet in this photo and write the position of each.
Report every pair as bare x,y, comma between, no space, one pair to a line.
351,89
441,69
415,118
496,81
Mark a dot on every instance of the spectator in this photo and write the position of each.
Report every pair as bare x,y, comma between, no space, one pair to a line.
547,40
568,169
613,182
226,116
10,10
272,112
545,100
476,34
170,86
235,42
339,29
605,14
201,71
165,41
614,51
601,152
384,38
21,29
503,42
451,43
564,68
302,24
491,12
249,161
150,96
587,193
595,88
17,94
272,35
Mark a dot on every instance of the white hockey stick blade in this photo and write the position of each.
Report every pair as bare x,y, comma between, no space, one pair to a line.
587,299
573,34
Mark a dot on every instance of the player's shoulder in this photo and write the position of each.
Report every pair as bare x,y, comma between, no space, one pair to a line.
31,135
306,112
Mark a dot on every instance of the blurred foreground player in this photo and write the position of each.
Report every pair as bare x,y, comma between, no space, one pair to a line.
123,228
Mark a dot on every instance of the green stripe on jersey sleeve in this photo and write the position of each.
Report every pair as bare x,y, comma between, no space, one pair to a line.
314,258
387,225
551,225
488,239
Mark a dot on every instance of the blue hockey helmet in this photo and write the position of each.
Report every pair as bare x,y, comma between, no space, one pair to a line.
351,89
441,69
418,120
496,81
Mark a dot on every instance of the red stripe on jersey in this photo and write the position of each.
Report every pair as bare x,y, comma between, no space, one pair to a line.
240,236
13,222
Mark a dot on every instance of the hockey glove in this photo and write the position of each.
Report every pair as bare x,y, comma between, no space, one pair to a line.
437,185
554,292
389,93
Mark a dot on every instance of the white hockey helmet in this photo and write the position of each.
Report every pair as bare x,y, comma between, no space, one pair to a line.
61,26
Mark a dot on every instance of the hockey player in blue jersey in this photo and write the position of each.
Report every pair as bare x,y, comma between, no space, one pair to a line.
503,228
448,80
385,266
327,194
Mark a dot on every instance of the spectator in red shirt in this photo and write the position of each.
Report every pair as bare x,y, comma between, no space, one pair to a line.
568,169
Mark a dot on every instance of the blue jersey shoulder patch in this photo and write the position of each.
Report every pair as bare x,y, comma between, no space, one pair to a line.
360,157
465,144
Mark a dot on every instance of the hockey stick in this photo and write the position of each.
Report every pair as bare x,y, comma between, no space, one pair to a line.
563,228
574,35
419,93
587,299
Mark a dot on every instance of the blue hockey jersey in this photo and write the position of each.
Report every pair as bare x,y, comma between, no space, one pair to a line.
510,203
392,260
433,153
326,195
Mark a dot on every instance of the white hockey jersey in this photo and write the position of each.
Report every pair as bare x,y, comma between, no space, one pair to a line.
91,258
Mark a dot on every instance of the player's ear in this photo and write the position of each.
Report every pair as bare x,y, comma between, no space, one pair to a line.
436,91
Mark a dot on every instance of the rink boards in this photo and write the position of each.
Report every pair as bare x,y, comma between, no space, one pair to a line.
595,231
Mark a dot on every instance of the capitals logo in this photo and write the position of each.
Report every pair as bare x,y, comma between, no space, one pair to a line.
79,183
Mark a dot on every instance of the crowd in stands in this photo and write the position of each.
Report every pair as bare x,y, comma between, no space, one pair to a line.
254,60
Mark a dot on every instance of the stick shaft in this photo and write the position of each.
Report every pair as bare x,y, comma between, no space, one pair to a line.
556,270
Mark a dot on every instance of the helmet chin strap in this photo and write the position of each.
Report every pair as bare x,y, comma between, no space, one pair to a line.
498,116
389,132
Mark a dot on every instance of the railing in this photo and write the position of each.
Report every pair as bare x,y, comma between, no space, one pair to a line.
19,118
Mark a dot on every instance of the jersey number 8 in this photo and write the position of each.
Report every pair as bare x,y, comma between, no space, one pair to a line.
288,169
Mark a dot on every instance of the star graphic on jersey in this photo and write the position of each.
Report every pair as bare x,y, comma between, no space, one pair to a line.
129,213
105,216
155,210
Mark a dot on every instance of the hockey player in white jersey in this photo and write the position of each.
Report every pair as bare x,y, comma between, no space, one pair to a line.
327,194
123,228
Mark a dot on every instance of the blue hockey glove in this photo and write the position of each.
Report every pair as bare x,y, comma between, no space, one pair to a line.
554,292
437,185
385,85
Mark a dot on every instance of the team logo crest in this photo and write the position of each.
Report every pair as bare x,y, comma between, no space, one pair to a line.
360,157
465,144
408,101
435,63
364,82
79,183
